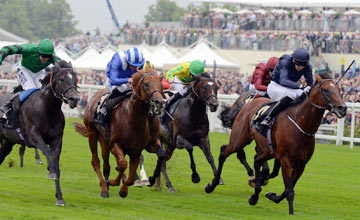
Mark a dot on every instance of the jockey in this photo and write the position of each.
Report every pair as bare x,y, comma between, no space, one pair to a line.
119,71
181,76
283,86
261,77
35,57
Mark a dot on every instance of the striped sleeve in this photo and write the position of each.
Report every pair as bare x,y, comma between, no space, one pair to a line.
173,72
10,50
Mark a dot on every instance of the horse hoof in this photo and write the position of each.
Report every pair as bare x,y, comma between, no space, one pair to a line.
39,162
171,190
137,183
195,178
122,194
253,200
105,194
208,188
52,176
60,202
265,182
269,195
221,182
151,181
145,182
251,181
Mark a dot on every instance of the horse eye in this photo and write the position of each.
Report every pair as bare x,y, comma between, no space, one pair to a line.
146,85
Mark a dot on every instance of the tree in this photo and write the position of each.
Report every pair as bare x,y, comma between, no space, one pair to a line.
164,10
37,19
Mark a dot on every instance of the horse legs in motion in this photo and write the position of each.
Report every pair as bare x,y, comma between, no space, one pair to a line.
22,152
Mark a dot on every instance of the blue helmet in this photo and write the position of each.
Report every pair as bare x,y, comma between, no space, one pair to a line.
135,57
301,56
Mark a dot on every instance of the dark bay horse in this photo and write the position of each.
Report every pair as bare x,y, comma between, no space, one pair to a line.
191,124
131,130
42,122
293,136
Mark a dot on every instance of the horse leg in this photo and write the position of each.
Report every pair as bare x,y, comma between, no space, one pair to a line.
37,157
168,153
205,147
21,154
95,162
105,153
182,143
242,157
161,157
121,163
6,148
225,151
144,178
56,147
259,159
134,163
275,171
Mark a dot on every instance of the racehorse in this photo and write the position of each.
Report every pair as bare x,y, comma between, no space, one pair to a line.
42,122
292,136
131,130
190,126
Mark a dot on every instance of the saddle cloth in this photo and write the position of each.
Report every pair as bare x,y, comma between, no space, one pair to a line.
259,115
25,94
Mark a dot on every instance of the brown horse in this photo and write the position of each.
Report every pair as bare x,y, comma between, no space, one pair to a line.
131,130
190,126
292,136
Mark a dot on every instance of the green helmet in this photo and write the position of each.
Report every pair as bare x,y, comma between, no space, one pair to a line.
196,67
46,47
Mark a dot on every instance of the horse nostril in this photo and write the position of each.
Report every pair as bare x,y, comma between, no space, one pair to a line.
157,102
342,108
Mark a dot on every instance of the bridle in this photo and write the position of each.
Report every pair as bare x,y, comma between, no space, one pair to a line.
327,104
205,100
61,95
148,95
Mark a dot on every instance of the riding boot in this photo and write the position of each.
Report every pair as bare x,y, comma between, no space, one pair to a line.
9,112
171,101
279,106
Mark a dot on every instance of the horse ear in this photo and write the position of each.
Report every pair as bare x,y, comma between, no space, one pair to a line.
196,78
317,78
56,68
219,82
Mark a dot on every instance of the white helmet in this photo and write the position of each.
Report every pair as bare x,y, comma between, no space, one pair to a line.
135,57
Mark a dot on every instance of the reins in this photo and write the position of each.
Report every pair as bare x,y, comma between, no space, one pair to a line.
62,95
148,96
205,100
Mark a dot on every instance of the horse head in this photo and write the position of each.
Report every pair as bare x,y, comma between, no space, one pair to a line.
205,88
63,83
326,95
148,87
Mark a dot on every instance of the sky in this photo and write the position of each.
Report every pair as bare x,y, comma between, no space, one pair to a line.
96,14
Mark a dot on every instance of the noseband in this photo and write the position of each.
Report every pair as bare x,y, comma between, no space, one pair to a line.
61,96
148,95
205,100
327,104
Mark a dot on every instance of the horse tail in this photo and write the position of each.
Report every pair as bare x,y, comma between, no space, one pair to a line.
80,128
228,114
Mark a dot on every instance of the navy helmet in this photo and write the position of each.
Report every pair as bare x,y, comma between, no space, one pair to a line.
135,57
301,56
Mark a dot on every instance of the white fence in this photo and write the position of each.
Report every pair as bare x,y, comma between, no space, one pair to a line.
336,131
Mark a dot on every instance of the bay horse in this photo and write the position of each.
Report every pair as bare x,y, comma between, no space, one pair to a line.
131,130
42,122
293,136
190,126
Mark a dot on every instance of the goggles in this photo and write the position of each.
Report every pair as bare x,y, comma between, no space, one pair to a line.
45,55
299,63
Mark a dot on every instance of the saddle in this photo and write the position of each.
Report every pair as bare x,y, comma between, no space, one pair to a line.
259,115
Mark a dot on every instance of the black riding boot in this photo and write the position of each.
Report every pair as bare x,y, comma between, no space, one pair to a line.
280,105
9,112
171,101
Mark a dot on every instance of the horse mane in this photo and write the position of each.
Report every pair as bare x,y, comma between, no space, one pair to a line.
136,77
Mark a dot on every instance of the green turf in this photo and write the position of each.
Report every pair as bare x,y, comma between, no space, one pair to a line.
328,189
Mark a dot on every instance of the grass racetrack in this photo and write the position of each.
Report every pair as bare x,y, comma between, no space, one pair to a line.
328,189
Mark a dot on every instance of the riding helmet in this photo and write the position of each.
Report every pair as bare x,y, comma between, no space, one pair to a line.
301,56
271,63
196,67
46,47
135,57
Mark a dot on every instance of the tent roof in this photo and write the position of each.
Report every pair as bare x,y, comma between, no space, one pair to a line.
87,59
103,59
162,55
203,52
7,36
63,53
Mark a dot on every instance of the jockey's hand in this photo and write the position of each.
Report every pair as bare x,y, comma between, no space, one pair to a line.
171,80
307,89
130,82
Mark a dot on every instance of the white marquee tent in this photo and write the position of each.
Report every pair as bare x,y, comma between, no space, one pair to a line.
63,53
203,52
87,59
104,58
162,55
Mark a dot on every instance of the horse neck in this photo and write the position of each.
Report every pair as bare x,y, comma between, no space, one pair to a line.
308,116
138,109
197,108
50,100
